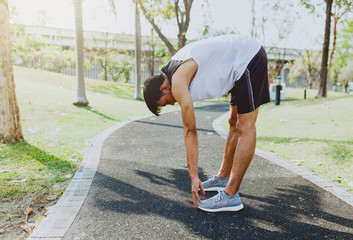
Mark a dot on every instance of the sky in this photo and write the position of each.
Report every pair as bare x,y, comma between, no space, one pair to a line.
305,32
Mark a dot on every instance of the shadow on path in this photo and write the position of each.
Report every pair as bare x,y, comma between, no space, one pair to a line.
173,126
286,214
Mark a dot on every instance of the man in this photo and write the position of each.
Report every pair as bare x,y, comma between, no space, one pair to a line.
208,69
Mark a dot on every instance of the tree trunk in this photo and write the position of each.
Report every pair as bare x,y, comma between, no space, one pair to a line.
183,20
137,52
105,67
311,81
80,99
325,50
335,21
345,85
182,37
335,78
151,65
10,121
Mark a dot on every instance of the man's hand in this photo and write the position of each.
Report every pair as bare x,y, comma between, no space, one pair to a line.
195,186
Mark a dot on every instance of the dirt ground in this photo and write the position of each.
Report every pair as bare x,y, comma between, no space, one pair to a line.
13,219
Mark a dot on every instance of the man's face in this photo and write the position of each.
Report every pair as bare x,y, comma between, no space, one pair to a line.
166,99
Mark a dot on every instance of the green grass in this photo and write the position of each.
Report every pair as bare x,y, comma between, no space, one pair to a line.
36,166
314,133
121,90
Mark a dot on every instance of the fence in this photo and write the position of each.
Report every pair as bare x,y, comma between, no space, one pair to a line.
96,71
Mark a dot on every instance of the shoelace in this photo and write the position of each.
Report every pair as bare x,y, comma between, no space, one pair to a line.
213,178
218,197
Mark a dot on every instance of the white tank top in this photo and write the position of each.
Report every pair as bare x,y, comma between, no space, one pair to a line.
221,62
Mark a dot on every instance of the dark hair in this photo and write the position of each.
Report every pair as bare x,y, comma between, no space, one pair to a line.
152,93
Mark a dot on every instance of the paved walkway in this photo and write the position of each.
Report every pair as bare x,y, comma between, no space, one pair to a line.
141,190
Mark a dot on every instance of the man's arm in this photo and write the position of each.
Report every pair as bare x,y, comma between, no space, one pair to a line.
180,90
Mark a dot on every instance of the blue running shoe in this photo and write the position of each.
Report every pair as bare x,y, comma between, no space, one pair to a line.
221,203
215,183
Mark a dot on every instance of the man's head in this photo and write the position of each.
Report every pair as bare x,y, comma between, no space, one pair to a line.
157,93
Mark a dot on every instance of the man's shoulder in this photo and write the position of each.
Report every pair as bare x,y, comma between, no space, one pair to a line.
187,70
189,65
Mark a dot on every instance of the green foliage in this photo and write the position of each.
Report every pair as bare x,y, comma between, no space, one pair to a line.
17,29
117,64
343,4
206,30
120,66
113,6
345,37
162,52
36,53
317,7
344,54
308,4
160,9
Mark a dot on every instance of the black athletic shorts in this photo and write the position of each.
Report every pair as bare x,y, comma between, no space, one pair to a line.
251,90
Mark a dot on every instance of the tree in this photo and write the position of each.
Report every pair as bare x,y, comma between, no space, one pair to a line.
101,54
120,66
10,122
344,53
138,53
80,99
346,75
158,10
341,7
308,65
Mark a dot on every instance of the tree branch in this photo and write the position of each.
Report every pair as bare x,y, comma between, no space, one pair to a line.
156,28
188,5
176,5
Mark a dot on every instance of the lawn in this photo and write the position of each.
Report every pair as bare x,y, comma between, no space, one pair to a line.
314,133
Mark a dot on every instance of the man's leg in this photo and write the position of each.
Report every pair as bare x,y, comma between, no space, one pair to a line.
229,199
231,144
244,151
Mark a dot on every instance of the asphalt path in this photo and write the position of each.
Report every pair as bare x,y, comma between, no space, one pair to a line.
141,190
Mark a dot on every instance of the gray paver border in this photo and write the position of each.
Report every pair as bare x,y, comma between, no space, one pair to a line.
340,192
